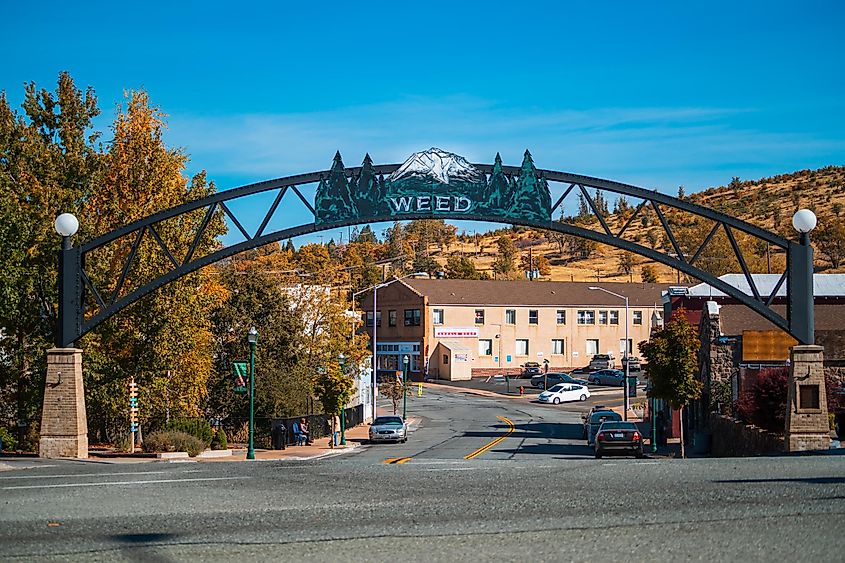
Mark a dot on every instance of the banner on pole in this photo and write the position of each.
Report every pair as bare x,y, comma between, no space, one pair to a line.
240,369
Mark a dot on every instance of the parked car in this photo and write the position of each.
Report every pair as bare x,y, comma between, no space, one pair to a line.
582,371
549,379
388,429
563,392
530,369
602,361
618,438
633,363
592,423
608,377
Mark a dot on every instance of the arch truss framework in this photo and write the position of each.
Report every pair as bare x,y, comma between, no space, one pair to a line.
84,305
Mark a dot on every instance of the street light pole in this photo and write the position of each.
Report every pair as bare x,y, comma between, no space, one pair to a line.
405,361
342,359
252,337
375,289
625,399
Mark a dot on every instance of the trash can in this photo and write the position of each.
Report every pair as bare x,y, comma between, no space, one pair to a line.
279,435
632,385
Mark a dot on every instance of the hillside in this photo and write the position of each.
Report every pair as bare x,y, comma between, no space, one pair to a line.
768,203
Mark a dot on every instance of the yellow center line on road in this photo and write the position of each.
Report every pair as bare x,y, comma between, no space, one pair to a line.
396,460
495,442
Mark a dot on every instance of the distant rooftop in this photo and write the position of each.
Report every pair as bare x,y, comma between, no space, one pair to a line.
536,293
824,285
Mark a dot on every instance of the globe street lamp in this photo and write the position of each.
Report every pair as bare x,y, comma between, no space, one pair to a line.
66,225
375,289
252,337
405,361
800,277
625,399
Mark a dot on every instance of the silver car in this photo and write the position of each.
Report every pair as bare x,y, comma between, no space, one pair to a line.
388,429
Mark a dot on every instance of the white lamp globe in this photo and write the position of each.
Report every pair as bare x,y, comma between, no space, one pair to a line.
66,224
804,221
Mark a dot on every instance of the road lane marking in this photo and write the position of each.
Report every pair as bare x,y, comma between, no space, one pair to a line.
495,442
396,460
109,483
96,474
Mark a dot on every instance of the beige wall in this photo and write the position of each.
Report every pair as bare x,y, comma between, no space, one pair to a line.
539,335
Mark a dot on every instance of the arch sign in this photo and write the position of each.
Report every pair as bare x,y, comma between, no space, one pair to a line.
433,183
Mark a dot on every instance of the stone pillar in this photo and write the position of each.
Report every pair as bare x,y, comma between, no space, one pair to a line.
807,426
64,426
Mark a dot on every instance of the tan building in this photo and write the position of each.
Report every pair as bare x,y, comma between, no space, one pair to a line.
456,329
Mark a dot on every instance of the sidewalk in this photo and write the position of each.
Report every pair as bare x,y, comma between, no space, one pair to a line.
319,448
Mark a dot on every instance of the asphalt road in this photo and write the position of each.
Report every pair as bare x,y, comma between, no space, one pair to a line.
534,495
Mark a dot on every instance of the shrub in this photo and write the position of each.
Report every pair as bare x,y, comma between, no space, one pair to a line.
196,427
173,441
220,442
8,441
764,404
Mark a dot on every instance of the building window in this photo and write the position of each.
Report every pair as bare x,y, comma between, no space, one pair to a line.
522,347
586,317
479,316
630,349
561,316
533,316
437,316
445,360
391,318
558,347
592,347
370,318
510,316
485,347
412,317
638,318
614,317
602,317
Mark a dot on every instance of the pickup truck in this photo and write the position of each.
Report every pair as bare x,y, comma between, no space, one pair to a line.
602,361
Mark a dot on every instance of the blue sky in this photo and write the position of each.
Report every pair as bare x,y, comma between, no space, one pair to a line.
654,94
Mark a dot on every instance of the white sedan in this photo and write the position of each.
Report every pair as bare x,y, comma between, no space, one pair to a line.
563,392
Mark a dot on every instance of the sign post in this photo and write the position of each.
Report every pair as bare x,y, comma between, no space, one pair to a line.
133,412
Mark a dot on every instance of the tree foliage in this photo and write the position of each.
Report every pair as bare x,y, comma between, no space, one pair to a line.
672,354
830,240
648,274
505,262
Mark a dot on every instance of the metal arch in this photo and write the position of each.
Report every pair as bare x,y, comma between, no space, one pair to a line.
71,329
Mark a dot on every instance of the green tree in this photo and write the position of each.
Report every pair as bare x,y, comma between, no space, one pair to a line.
49,163
255,298
626,262
334,390
505,262
164,340
672,354
648,273
463,268
830,240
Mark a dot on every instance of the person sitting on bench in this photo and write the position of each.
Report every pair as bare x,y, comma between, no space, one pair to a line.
300,432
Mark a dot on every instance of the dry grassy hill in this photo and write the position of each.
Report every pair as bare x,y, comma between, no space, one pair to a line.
768,203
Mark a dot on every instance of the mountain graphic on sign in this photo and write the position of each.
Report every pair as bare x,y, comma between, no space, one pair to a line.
438,165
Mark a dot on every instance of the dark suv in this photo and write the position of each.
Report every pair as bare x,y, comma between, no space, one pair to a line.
550,379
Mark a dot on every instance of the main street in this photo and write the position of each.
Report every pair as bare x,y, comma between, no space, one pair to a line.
536,493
